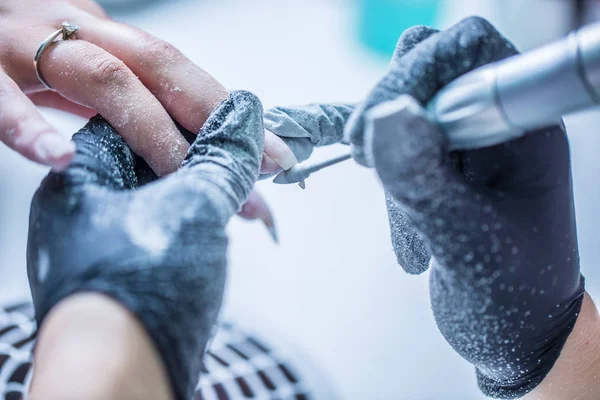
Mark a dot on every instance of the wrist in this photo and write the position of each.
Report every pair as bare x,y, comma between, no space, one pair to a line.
574,374
91,347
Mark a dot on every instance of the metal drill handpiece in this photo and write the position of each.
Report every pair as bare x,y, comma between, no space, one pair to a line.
504,100
299,173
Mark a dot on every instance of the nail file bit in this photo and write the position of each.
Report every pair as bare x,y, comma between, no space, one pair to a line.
300,172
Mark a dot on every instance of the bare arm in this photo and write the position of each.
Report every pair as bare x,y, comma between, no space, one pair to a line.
576,374
101,350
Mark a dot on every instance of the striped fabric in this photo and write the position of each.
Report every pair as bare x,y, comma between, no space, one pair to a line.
237,365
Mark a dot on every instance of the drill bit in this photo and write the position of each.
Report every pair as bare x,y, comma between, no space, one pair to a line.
300,172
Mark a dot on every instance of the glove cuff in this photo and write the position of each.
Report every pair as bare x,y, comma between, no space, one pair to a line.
541,361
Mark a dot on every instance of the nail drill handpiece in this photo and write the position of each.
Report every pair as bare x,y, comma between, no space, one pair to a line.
504,100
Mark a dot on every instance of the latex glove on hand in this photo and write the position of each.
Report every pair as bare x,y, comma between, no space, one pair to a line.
158,249
505,282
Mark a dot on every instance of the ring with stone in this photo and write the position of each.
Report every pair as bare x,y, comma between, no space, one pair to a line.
67,31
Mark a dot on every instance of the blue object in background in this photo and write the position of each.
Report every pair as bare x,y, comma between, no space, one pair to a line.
381,22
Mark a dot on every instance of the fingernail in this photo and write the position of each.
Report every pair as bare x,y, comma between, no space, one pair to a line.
273,232
268,166
256,208
278,151
267,218
54,150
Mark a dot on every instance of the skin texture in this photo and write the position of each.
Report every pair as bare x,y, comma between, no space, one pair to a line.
96,74
575,374
140,84
159,248
91,332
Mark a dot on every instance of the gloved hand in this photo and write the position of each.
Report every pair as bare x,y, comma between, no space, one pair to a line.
303,128
505,283
158,249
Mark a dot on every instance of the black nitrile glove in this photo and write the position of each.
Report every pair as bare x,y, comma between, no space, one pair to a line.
159,249
505,283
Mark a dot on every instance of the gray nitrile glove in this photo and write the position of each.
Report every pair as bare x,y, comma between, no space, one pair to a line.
158,249
305,127
505,283
396,82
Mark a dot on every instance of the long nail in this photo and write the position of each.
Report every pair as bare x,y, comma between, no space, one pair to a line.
257,208
54,150
273,232
269,221
268,166
278,151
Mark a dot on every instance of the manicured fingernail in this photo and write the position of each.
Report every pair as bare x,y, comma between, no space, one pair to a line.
257,208
269,166
278,151
266,216
54,150
273,232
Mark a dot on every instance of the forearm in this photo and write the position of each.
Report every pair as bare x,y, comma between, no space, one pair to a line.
576,374
91,347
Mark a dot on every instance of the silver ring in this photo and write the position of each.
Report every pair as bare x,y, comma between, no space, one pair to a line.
68,31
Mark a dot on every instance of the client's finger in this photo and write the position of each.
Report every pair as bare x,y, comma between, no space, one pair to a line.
88,75
186,91
56,101
91,7
23,129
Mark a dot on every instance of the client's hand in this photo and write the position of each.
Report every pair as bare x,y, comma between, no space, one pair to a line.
137,82
159,249
134,80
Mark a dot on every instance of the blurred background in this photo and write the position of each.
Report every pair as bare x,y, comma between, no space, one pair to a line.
331,289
